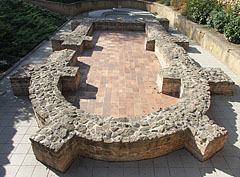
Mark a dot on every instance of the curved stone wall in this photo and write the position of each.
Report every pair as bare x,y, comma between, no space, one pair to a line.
67,132
215,43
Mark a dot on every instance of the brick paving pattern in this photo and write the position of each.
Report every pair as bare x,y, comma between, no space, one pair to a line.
118,77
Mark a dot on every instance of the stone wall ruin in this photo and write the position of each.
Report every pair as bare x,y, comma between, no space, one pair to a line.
66,132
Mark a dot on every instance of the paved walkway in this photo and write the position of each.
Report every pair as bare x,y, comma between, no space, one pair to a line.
17,123
118,77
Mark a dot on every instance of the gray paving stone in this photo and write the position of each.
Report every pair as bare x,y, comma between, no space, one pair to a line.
25,171
208,172
85,171
8,131
100,164
1,170
75,169
133,164
146,172
205,164
17,159
145,163
4,159
174,161
224,173
115,164
184,152
15,139
31,130
1,114
34,124
189,161
236,150
131,172
86,162
160,162
192,172
25,139
54,173
219,162
30,151
116,172
22,148
1,128
40,171
162,172
8,148
233,162
30,159
179,172
5,138
236,172
3,122
100,172
9,171
26,123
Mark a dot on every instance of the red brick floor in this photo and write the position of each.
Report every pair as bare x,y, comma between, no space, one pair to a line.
118,77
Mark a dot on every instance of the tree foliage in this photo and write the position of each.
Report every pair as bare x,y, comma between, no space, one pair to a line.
224,19
23,26
218,19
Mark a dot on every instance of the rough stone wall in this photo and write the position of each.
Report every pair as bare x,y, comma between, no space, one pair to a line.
211,41
20,81
67,131
75,39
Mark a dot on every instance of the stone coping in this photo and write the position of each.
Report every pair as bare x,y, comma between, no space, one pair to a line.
214,42
66,132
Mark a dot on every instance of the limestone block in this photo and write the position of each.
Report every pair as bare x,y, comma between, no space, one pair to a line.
20,81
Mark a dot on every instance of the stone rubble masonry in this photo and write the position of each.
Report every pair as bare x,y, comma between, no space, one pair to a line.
213,42
150,40
82,31
66,132
20,81
74,40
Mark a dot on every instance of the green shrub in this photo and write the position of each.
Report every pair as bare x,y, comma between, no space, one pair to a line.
211,17
224,19
185,12
23,26
175,3
235,10
232,30
165,2
218,19
199,10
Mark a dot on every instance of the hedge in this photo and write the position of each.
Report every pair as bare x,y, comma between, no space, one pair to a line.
23,27
216,15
